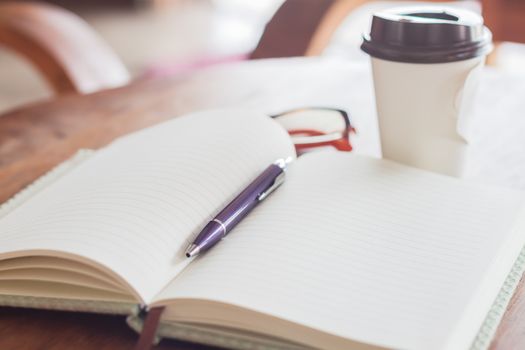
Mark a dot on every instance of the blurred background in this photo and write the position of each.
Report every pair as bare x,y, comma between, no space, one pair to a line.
156,36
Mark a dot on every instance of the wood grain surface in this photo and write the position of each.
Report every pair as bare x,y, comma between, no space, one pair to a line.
26,329
38,137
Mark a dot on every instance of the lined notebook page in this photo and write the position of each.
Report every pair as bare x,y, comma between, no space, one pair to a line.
368,250
135,205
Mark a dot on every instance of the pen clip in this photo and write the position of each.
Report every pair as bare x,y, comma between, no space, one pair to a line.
276,183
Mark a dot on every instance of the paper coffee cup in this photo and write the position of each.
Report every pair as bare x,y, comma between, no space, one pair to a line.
426,63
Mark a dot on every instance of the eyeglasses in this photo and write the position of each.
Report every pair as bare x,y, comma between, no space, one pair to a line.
317,127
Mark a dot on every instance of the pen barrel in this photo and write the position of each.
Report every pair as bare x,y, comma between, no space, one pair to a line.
210,234
232,214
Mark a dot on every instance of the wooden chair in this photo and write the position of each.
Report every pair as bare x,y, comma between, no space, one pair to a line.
506,19
74,59
315,21
303,27
64,49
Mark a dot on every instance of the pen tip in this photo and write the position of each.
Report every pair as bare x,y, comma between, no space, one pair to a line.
192,250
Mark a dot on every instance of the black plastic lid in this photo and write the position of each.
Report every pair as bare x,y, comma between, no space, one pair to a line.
427,35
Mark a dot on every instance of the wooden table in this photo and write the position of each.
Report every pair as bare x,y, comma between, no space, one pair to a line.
38,137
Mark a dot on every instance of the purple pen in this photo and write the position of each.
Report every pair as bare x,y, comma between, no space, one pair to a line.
271,178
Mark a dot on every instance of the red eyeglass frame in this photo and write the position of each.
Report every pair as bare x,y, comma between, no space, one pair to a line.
341,144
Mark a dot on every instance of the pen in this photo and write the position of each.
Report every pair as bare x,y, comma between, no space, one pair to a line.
271,178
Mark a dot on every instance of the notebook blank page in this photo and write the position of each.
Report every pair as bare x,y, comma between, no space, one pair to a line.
134,206
367,250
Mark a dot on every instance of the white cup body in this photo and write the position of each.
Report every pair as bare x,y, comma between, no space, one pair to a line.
423,112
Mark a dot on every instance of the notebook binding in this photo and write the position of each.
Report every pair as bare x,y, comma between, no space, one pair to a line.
496,312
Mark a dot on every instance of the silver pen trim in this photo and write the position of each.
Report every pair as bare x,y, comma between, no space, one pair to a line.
283,162
192,250
222,225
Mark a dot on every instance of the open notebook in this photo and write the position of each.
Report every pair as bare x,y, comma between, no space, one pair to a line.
351,252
